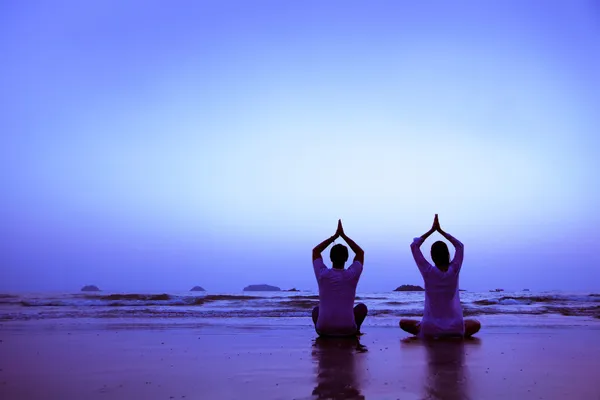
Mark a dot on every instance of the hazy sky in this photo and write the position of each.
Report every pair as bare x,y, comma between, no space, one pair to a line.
155,145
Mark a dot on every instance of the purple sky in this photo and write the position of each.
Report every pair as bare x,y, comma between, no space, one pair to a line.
151,147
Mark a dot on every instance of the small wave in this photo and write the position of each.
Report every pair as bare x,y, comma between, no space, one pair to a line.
370,298
510,302
153,297
576,311
377,313
165,297
485,302
9,299
394,303
177,301
41,303
303,304
215,297
8,296
530,299
472,311
135,300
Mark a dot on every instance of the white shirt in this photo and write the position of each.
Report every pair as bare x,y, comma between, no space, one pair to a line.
337,289
443,312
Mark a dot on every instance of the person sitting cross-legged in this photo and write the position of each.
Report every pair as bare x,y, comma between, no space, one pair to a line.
336,314
443,314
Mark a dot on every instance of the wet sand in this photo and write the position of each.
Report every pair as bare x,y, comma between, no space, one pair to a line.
129,360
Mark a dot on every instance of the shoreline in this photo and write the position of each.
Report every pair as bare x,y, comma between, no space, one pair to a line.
383,307
492,321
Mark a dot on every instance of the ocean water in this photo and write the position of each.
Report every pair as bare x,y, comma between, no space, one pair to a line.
280,305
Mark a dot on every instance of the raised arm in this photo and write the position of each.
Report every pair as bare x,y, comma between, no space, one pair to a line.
316,253
415,247
359,254
419,241
455,242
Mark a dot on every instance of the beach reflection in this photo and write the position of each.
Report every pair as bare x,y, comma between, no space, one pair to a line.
338,361
447,375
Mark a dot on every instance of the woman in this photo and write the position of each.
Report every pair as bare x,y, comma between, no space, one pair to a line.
443,313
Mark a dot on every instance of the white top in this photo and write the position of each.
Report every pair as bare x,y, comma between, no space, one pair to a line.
443,312
337,289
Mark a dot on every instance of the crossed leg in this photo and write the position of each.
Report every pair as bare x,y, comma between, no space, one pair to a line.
410,325
472,326
360,313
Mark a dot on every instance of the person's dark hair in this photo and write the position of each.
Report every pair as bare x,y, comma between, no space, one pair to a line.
440,255
339,255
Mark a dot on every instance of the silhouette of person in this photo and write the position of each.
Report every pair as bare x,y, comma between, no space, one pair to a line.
443,314
336,314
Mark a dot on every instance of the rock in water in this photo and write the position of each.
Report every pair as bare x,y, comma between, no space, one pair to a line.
197,289
90,288
409,288
261,288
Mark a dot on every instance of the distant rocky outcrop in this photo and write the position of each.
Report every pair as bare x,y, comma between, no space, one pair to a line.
526,290
292,290
197,289
409,288
261,288
90,288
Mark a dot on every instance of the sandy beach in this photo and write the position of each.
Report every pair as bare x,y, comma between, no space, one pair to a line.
160,359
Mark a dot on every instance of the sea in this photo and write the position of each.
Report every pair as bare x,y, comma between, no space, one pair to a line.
292,308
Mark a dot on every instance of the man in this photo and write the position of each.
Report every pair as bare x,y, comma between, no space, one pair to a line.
336,314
